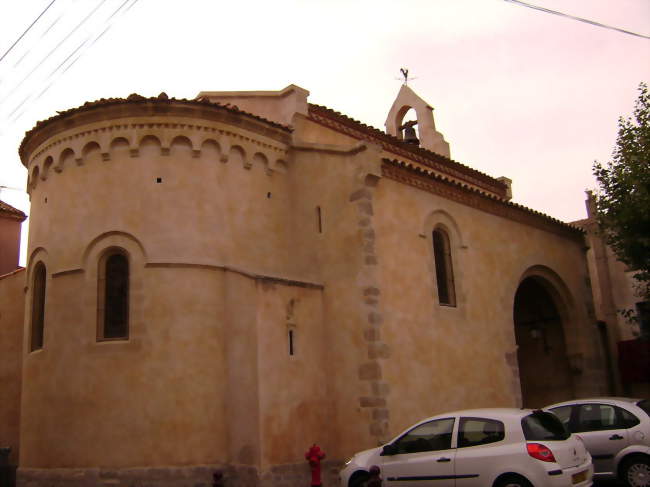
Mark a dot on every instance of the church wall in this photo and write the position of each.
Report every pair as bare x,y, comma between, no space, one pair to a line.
242,372
444,358
278,106
12,297
277,403
234,239
156,399
334,180
206,205
295,406
310,132
383,245
184,216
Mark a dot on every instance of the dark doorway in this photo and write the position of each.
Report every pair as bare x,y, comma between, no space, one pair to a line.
544,370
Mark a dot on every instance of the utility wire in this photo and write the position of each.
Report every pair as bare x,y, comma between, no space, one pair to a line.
40,40
26,30
81,49
47,56
580,19
50,75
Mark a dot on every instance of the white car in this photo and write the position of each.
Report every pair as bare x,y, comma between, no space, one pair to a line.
616,431
478,448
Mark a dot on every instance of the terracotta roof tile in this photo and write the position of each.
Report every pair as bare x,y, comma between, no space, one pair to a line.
581,223
425,156
9,211
9,274
513,208
134,98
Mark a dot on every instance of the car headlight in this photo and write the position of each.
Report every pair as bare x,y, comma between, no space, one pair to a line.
348,461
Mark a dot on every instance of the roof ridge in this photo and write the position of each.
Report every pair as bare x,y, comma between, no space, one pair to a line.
422,151
431,174
161,98
7,210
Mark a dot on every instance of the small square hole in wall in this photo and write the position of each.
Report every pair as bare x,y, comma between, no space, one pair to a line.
268,195
159,180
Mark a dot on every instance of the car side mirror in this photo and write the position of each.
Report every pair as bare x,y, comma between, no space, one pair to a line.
389,449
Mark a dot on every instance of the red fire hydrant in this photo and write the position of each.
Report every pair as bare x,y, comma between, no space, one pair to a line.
314,456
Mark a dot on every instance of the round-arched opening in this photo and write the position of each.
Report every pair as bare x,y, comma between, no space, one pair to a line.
407,125
544,370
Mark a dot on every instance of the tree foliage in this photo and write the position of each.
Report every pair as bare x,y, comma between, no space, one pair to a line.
623,199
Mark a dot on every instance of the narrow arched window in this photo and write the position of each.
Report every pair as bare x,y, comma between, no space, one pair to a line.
113,297
38,306
444,269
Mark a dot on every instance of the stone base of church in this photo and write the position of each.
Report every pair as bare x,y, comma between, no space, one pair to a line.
290,475
299,475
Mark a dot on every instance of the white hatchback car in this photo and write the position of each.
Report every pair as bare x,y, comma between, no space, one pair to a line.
616,431
478,448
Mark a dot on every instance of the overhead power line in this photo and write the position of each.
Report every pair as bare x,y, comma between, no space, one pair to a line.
26,31
580,19
62,68
49,54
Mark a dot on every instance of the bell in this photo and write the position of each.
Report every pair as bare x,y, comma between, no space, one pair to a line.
410,137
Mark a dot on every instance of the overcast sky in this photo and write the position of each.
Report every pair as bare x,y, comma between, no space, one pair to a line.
516,92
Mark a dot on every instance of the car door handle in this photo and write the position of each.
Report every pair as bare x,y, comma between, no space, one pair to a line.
443,459
616,437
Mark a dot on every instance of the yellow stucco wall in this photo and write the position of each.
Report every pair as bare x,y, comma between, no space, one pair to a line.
437,350
169,384
219,215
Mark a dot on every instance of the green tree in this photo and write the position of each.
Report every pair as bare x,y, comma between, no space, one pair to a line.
623,198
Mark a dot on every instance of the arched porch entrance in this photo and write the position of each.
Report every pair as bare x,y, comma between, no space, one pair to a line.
544,370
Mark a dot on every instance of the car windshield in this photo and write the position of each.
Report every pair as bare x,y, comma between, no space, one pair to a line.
645,405
541,425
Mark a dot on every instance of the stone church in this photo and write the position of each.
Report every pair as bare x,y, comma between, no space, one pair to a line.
219,283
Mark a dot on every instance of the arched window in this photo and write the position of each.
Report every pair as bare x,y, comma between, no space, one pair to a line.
444,269
38,306
113,296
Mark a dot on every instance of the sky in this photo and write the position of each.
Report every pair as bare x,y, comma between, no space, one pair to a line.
516,92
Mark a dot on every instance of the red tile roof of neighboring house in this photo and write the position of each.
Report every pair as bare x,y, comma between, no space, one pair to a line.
11,273
8,211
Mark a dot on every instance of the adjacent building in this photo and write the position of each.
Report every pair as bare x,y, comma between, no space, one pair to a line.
622,313
12,296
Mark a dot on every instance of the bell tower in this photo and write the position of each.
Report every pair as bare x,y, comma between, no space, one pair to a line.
429,137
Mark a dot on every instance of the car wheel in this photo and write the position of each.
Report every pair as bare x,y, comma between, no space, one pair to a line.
635,472
513,481
359,479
